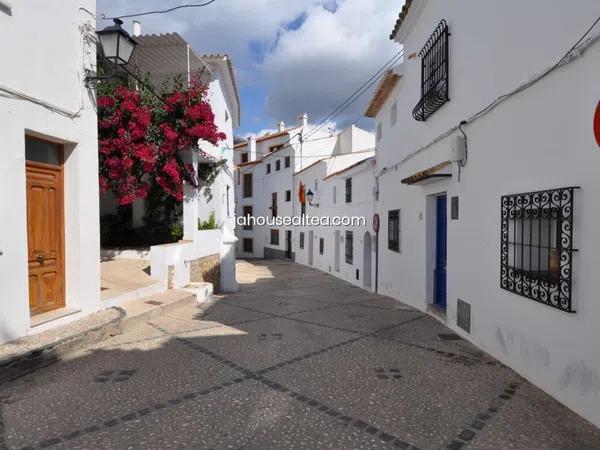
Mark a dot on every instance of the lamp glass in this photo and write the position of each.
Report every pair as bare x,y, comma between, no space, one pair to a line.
310,196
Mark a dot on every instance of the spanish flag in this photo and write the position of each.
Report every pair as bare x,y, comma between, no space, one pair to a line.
301,194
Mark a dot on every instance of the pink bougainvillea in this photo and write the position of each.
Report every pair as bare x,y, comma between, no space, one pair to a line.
140,141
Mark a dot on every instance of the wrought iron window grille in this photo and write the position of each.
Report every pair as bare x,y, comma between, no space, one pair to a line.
394,230
349,247
537,246
434,73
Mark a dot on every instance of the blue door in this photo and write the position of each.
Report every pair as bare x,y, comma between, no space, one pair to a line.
440,252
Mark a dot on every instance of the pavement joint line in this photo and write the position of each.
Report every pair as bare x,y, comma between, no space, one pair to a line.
129,416
466,435
335,414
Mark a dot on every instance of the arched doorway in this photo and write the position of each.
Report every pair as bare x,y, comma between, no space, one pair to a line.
367,260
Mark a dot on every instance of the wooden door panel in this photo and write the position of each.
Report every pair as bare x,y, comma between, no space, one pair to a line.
45,237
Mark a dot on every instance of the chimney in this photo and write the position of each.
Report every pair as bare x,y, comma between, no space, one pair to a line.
303,120
137,28
252,148
280,126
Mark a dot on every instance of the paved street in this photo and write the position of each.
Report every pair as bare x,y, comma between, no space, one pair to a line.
296,359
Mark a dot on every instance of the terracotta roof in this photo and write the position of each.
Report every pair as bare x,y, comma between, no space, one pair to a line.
239,145
271,136
349,167
383,91
222,56
249,163
401,18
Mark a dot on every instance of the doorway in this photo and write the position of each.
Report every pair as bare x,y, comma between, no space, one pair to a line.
288,244
367,260
45,225
439,298
311,244
337,251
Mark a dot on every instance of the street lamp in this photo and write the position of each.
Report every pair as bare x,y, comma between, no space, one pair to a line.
117,44
117,47
310,196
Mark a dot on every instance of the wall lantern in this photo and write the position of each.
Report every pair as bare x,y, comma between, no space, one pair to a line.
310,196
117,47
117,44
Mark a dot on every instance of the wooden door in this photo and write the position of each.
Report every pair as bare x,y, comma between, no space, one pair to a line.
45,237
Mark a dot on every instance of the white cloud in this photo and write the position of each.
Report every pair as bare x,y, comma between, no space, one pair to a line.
316,67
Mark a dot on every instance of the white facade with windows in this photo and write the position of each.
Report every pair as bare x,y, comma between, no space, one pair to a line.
468,252
49,244
345,189
277,157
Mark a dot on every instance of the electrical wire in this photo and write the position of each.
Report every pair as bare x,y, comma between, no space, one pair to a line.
357,93
163,11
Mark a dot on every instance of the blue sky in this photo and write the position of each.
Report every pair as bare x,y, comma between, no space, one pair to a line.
289,57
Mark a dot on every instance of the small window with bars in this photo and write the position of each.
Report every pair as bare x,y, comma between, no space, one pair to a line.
274,237
321,246
247,191
302,240
288,196
394,230
248,245
247,211
348,190
268,168
278,164
244,157
537,246
349,243
434,73
287,162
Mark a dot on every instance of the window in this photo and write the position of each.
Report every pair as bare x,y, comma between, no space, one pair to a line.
301,240
288,162
394,230
316,185
394,114
303,209
321,245
247,191
274,237
349,247
41,151
537,246
288,196
274,204
434,73
268,168
248,245
244,157
278,164
348,190
379,131
334,195
247,212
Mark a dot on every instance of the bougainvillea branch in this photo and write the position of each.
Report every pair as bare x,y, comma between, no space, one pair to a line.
141,140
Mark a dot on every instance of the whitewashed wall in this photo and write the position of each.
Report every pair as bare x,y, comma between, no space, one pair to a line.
45,60
540,139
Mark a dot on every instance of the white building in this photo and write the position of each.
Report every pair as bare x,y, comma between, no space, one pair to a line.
163,57
49,244
343,187
265,182
492,240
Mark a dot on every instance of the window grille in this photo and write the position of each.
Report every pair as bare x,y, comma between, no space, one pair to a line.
349,247
537,246
274,237
321,245
302,240
247,185
287,162
274,204
268,168
434,73
288,196
394,230
278,164
348,190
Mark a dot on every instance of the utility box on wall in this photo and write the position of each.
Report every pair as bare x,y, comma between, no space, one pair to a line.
463,315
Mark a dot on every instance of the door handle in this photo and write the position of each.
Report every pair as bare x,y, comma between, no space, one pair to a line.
40,258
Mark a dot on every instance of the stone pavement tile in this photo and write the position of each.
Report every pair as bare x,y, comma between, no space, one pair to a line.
100,385
356,318
263,344
417,396
248,415
219,312
534,420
